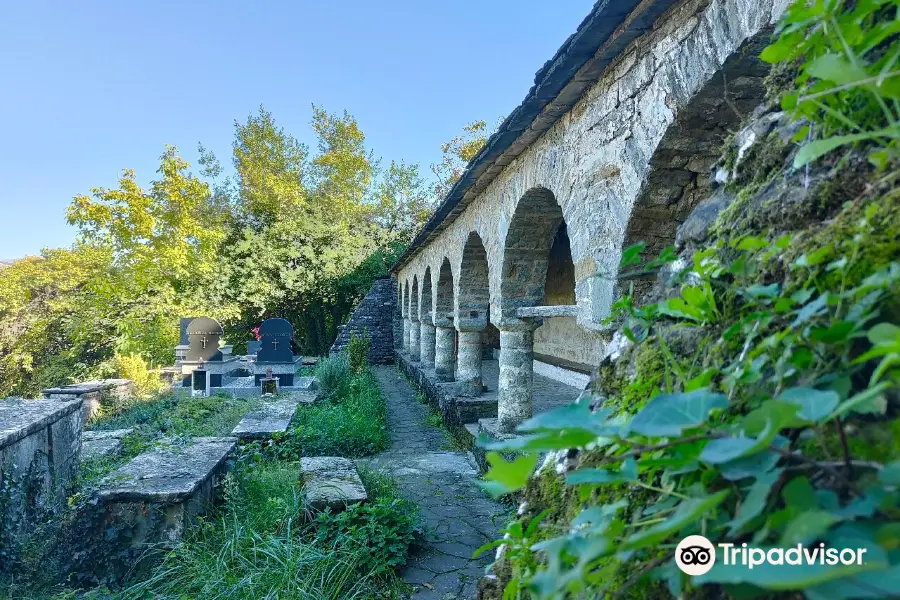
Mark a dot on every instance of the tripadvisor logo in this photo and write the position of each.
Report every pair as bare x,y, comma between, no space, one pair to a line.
696,555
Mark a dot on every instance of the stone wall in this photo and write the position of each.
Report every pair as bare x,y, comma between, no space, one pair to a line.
624,163
93,394
40,444
376,315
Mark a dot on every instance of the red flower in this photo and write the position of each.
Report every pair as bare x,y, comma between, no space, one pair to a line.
255,331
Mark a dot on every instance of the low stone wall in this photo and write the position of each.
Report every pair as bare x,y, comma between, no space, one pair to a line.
456,410
374,315
93,393
40,444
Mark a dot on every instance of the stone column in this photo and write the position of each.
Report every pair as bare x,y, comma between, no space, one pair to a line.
468,367
406,325
426,345
414,331
444,344
514,402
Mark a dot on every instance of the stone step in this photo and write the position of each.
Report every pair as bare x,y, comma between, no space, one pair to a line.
331,482
100,444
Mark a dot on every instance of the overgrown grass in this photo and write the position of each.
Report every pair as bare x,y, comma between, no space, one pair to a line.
267,544
351,422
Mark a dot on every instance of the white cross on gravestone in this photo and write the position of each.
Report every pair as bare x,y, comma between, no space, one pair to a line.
203,341
275,344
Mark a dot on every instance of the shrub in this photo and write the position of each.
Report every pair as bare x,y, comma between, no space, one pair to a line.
333,373
379,533
358,351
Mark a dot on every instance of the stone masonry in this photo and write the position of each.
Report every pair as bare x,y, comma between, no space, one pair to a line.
635,105
374,315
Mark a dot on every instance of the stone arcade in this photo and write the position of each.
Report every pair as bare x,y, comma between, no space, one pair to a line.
613,145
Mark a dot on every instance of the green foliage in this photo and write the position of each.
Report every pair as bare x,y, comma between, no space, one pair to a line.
333,375
263,545
744,444
848,79
380,532
358,352
351,423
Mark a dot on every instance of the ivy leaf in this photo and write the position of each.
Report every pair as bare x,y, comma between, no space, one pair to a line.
753,505
628,472
686,513
835,68
504,477
890,474
538,442
572,416
807,526
814,404
754,465
799,493
668,414
778,413
727,449
599,516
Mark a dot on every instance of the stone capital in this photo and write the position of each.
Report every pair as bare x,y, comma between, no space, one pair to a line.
520,323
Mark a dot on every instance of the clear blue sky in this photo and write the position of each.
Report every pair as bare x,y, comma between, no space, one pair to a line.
89,88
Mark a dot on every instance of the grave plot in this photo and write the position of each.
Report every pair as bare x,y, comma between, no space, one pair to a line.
273,417
40,444
155,497
331,482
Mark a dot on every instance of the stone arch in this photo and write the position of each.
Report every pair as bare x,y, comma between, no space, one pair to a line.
679,170
414,299
426,306
444,295
473,299
526,253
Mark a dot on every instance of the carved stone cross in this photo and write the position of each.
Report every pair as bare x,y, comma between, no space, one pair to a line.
203,341
275,344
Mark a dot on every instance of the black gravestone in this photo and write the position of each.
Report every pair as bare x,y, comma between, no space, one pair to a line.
184,324
275,336
203,337
253,347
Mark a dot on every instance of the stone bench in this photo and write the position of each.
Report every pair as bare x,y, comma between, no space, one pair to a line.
40,443
156,496
100,444
331,482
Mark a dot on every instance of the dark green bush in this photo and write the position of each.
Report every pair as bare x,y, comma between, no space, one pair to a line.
379,532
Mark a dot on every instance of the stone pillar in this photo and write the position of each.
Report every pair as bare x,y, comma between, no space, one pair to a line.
414,331
427,345
468,367
514,402
444,344
406,326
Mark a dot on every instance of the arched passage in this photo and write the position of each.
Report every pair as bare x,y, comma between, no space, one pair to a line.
445,334
426,317
537,237
472,311
679,169
526,253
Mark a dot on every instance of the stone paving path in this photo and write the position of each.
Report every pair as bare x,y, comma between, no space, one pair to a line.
458,517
